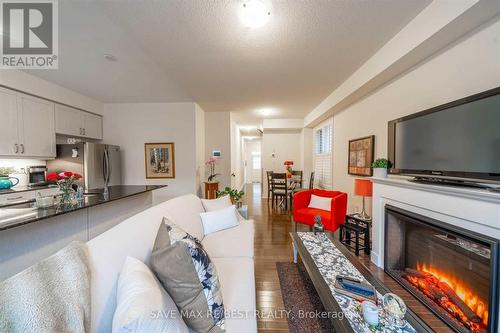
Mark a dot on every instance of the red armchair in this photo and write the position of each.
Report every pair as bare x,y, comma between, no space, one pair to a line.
331,219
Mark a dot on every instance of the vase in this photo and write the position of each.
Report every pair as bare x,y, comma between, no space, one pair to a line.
67,196
380,172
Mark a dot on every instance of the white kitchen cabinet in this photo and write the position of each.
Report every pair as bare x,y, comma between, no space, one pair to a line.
37,129
27,126
74,122
9,144
68,121
92,126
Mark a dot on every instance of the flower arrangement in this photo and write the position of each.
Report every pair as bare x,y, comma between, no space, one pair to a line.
288,166
6,171
65,180
211,168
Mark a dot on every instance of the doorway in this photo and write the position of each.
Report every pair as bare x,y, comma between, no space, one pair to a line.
253,161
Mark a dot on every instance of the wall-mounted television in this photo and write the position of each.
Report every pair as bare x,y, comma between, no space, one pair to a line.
457,141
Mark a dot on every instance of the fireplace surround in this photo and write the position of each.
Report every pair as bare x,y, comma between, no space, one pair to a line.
451,270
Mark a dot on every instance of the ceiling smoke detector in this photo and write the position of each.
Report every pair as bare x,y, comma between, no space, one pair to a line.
254,14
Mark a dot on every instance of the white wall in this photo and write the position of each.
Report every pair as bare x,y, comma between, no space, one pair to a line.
130,125
200,149
218,137
306,154
34,85
286,146
470,66
236,155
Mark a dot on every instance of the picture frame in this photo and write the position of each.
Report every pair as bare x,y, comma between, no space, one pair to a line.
360,158
159,160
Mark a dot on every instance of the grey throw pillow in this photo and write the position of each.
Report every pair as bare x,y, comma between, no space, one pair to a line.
187,273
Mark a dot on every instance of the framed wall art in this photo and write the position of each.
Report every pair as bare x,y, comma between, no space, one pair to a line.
361,156
159,160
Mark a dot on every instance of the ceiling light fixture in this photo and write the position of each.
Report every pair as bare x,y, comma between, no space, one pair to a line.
254,13
266,112
110,57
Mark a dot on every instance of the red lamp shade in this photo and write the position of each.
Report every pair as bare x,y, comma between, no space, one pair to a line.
363,187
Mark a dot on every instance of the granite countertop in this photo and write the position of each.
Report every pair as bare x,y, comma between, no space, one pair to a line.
21,214
17,189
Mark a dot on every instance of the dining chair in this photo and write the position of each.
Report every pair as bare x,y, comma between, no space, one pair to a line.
269,175
279,186
311,181
296,185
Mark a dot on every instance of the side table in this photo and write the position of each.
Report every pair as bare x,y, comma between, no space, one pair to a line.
211,189
359,229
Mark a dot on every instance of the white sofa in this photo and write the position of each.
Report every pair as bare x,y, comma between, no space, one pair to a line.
231,251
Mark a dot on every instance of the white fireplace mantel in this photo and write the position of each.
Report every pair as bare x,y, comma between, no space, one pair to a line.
472,209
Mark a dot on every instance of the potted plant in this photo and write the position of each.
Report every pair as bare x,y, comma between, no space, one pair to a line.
234,194
65,180
211,169
5,180
380,167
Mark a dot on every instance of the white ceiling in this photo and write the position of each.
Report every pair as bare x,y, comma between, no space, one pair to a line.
194,50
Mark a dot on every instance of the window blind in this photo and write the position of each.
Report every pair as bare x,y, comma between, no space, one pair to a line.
323,157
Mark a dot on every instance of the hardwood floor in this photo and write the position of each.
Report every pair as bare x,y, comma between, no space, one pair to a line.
273,244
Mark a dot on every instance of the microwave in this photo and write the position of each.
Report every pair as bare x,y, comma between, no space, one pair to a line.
37,175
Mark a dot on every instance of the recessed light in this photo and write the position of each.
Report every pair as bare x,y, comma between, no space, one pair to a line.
266,112
110,57
254,13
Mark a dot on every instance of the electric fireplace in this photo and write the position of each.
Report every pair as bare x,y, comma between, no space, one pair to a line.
452,271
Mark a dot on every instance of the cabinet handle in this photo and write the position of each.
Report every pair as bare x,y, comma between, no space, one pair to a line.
22,148
84,131
81,131
16,148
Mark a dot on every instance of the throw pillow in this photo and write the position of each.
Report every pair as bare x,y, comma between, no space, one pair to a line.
187,273
142,305
322,203
219,220
211,205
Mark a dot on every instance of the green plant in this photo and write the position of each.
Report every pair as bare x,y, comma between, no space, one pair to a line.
382,163
234,194
6,171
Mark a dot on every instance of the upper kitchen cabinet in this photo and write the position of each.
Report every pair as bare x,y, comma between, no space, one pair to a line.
9,139
73,122
92,126
27,126
36,130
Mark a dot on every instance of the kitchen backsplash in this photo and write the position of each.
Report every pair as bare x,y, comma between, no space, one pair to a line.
20,166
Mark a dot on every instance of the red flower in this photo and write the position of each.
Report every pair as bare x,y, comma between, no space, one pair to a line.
288,163
53,176
77,176
68,173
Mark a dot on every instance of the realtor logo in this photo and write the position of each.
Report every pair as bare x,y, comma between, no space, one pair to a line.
29,34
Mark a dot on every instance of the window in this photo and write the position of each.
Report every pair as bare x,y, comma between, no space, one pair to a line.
323,157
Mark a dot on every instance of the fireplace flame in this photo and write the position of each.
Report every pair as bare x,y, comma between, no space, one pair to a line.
466,294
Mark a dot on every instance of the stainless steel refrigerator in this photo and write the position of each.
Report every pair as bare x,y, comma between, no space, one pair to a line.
99,164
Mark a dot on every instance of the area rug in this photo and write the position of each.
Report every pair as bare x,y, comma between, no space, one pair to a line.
300,298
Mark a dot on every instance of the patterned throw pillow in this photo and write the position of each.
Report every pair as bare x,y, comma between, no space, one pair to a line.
187,273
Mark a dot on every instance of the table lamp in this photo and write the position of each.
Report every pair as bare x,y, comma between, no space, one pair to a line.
363,187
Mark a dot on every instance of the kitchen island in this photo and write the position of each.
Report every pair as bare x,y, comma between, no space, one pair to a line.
29,234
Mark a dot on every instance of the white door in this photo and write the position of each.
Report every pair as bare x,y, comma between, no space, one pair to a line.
92,125
9,143
38,127
69,121
256,167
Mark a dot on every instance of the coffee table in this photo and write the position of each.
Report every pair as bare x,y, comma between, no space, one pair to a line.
324,258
